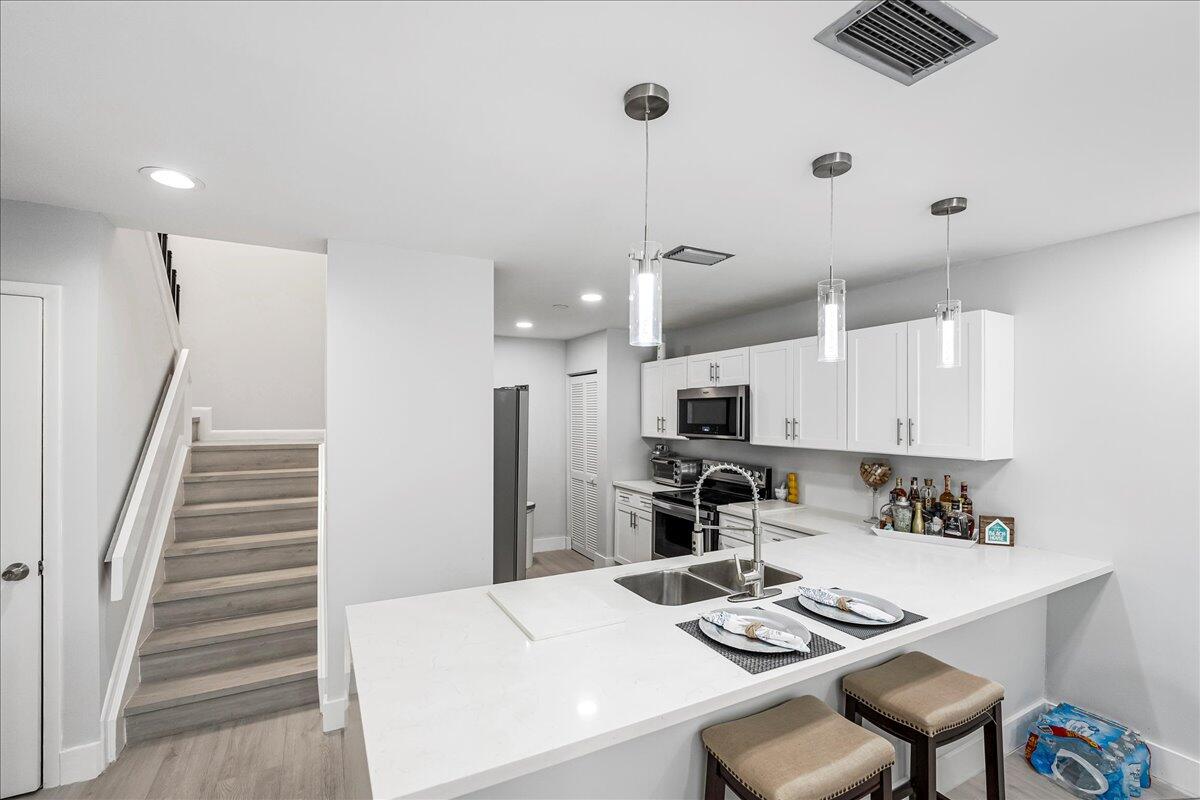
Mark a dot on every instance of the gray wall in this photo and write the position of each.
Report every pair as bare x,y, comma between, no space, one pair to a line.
1106,450
115,353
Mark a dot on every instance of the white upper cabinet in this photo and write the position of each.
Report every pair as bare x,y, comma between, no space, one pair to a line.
819,399
723,368
796,400
660,409
877,387
900,401
771,394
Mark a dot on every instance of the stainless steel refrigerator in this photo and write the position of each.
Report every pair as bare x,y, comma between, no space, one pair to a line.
510,462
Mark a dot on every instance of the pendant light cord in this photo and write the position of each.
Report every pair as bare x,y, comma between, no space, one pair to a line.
831,180
947,260
646,204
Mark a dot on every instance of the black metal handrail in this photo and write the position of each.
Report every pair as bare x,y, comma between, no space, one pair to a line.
172,273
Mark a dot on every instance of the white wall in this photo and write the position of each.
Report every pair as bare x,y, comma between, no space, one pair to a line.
542,365
1106,451
116,350
254,319
408,430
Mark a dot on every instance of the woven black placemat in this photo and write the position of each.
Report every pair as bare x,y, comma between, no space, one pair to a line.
755,663
857,631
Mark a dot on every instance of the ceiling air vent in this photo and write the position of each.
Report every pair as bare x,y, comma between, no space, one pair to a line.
905,39
696,255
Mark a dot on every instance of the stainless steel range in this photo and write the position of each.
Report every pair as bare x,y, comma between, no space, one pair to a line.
674,511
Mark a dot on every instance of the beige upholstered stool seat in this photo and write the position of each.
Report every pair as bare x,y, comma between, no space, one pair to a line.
800,750
923,693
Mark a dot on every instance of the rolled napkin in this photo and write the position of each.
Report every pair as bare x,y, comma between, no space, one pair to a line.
860,607
755,630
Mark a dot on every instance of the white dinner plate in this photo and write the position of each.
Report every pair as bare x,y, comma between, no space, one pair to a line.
769,618
849,617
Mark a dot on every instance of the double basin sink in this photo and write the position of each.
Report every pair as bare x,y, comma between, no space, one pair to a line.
713,579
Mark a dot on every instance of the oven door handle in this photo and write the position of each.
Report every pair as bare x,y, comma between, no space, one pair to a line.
677,511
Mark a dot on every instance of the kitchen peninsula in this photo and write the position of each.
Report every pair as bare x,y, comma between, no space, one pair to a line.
454,699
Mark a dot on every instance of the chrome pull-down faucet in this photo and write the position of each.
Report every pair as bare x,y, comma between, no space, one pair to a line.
752,578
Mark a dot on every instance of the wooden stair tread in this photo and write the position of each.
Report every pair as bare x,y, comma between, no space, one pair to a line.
226,544
197,634
240,506
157,695
219,446
228,584
250,474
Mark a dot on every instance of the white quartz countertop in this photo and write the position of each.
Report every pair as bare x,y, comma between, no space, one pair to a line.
642,486
454,697
803,519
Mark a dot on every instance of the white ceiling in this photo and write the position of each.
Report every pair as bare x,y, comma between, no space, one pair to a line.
496,130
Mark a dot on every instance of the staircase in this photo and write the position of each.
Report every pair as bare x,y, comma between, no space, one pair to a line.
235,616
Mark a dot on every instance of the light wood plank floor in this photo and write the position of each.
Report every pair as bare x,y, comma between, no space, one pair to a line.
556,562
285,756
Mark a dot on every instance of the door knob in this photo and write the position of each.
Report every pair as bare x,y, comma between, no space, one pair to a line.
15,572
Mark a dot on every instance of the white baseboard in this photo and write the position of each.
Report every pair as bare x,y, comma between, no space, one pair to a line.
80,763
1175,768
207,433
542,544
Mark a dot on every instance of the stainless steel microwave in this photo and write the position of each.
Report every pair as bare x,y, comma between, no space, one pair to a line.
715,412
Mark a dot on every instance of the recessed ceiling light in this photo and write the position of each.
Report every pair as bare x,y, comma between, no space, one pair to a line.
524,324
172,177
591,297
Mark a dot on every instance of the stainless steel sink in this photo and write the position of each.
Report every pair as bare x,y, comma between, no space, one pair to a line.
725,574
671,587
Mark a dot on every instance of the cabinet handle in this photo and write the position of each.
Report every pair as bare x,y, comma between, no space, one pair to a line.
718,366
898,427
794,427
910,436
711,371
786,432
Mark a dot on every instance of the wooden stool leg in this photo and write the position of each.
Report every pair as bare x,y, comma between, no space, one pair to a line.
884,790
851,712
714,786
993,756
923,771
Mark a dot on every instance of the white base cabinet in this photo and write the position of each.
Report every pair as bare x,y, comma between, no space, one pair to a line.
633,527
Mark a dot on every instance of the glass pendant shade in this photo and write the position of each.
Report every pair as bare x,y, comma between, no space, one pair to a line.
948,314
645,294
831,320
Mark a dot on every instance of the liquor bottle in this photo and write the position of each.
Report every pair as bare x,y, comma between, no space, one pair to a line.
946,501
928,495
918,517
952,525
914,492
968,509
899,492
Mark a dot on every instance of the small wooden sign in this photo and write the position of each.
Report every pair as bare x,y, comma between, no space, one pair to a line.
997,530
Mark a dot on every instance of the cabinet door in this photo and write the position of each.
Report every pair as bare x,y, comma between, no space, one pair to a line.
945,404
771,394
877,389
733,367
674,378
701,371
652,398
818,399
623,533
643,536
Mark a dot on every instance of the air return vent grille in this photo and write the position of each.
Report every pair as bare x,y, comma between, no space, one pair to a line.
905,39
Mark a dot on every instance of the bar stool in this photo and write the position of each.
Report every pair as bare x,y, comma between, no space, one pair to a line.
800,750
926,703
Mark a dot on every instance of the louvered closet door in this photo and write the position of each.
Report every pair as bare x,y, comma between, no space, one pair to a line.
583,463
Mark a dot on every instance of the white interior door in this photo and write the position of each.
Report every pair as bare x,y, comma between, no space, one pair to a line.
652,399
20,544
819,404
674,378
771,394
583,463
877,385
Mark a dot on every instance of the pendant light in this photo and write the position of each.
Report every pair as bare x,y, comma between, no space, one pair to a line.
645,102
948,313
831,292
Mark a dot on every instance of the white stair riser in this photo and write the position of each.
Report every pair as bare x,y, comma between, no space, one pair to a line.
235,604
139,727
225,655
236,562
274,458
243,522
219,491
